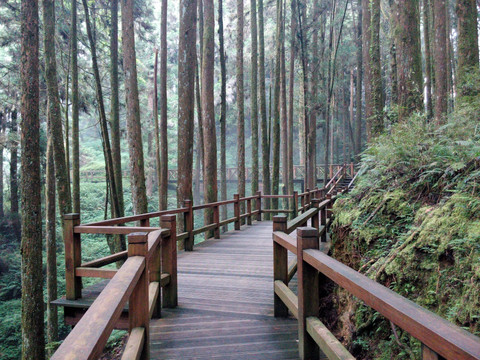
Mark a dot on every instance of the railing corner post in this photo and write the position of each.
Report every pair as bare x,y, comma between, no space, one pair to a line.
259,205
169,261
236,210
308,289
280,266
138,309
73,256
315,218
188,225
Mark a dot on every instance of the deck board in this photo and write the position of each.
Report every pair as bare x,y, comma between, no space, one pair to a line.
225,308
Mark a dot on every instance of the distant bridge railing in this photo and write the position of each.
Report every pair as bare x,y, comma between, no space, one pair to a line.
150,265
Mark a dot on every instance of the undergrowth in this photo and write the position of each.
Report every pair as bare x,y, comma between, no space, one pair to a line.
412,223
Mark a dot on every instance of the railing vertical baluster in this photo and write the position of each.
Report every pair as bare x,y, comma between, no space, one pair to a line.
138,311
329,206
307,200
216,220
295,204
308,301
249,212
155,269
303,204
73,258
429,354
323,222
188,225
352,170
145,222
259,205
169,260
280,265
315,218
236,211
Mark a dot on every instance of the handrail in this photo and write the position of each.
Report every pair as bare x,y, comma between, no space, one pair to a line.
438,334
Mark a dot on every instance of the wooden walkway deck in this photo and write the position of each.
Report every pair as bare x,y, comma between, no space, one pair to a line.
225,303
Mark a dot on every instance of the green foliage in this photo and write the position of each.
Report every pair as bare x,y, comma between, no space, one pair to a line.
413,224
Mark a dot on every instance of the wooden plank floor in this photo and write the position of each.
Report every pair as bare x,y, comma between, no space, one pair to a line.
225,308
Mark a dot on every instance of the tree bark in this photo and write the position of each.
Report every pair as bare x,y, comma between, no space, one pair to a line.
376,120
467,43
33,341
156,127
293,35
75,110
283,112
311,182
358,84
253,95
428,59
13,162
2,132
409,64
134,130
276,106
163,178
114,110
366,39
223,112
440,54
186,96
240,106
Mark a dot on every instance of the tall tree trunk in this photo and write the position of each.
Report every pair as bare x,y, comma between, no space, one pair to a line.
358,85
440,54
276,106
223,113
428,59
312,116
115,108
186,96
13,162
240,106
293,35
376,120
283,112
253,95
156,127
33,341
2,132
163,179
409,64
199,147
51,246
75,110
134,127
367,82
208,109
263,107
467,43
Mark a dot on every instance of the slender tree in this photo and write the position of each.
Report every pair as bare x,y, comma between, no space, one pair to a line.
13,162
163,179
366,61
467,43
358,84
2,132
276,106
283,107
223,111
440,55
409,65
312,116
156,127
137,171
186,93
263,105
114,107
428,58
75,107
240,105
253,95
293,35
33,344
375,122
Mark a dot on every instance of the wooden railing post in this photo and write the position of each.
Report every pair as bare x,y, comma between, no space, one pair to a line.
249,212
429,354
73,258
169,260
280,265
315,218
216,220
138,310
323,222
155,270
236,211
329,206
308,301
307,200
295,204
352,170
259,205
188,225
145,223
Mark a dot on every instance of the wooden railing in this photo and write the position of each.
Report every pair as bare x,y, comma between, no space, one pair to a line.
440,338
151,264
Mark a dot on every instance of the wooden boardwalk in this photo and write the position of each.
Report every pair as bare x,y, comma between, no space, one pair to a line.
225,303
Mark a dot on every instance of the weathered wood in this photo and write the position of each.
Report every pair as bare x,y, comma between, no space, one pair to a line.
153,297
280,263
249,212
327,342
88,338
73,257
259,205
127,219
315,217
138,304
295,204
292,269
135,344
169,261
188,225
287,296
308,289
227,221
154,261
107,260
203,229
438,334
164,279
286,241
95,272
429,354
112,230
216,220
236,211
300,220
